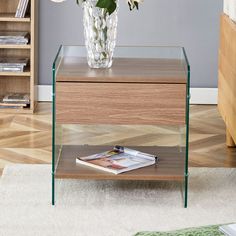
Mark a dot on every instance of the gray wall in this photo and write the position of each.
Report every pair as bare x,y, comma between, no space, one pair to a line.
193,24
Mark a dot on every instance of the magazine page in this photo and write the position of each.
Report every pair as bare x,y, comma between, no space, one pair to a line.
118,160
139,154
105,159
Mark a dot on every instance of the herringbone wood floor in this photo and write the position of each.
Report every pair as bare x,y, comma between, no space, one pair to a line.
27,138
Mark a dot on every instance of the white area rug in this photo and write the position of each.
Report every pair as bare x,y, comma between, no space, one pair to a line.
107,208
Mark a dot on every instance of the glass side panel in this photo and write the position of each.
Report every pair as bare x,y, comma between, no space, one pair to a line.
56,130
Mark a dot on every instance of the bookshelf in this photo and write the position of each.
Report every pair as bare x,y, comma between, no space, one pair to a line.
20,82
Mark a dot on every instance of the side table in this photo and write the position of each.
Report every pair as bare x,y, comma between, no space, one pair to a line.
147,86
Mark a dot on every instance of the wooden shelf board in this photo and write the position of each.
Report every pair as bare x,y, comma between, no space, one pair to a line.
20,74
15,46
11,17
124,70
15,110
170,166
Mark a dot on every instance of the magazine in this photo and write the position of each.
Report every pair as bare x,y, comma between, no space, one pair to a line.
16,98
118,160
229,230
4,61
14,37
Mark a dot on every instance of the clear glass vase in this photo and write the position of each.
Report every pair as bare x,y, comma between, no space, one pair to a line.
100,30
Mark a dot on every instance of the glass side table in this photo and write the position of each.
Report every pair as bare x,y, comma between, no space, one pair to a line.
141,102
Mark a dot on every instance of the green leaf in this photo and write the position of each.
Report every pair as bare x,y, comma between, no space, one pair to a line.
109,5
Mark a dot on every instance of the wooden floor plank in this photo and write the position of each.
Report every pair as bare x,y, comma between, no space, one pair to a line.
26,138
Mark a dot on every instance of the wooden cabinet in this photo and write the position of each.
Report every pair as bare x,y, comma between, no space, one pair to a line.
227,78
24,82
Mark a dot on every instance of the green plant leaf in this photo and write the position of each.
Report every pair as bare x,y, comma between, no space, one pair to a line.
109,5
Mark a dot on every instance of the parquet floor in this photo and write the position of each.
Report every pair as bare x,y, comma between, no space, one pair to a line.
27,138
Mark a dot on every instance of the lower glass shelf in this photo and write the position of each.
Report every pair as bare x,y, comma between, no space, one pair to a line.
170,166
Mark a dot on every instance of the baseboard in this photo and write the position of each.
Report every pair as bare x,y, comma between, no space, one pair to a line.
204,96
198,95
44,93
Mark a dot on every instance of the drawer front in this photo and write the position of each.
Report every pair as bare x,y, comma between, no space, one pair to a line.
117,103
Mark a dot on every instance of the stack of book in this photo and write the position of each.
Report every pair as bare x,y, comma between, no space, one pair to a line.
13,64
14,37
15,100
22,8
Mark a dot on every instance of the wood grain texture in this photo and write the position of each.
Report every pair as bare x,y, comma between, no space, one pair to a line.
170,166
15,46
227,77
120,103
124,70
26,138
8,6
15,25
10,17
14,85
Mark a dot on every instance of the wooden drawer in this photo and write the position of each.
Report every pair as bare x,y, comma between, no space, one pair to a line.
119,103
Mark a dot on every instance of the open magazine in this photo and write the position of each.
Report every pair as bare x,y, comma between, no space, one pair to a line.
118,160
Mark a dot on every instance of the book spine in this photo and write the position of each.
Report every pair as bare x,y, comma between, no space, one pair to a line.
17,15
96,166
25,8
21,8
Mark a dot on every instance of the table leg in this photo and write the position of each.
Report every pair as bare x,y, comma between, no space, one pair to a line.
53,189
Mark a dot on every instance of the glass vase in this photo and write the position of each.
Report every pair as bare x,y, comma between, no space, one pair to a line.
100,31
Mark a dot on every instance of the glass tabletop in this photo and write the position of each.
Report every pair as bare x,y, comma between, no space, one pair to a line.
130,64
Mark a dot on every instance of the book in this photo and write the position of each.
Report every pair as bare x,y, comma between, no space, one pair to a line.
19,7
24,8
8,61
15,34
13,104
10,107
13,64
10,102
16,98
14,37
118,160
229,230
11,69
